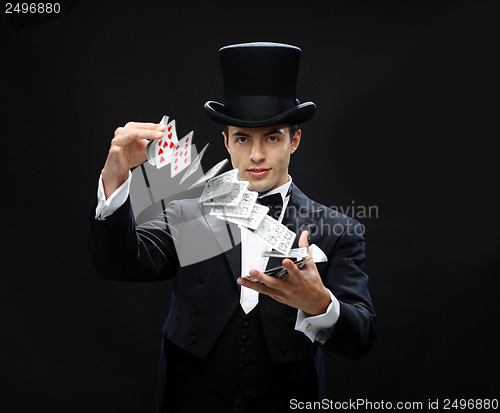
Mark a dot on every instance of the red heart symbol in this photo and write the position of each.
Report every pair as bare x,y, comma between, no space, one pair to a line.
159,143
162,159
176,161
170,136
165,143
187,140
185,160
160,151
175,168
171,144
170,128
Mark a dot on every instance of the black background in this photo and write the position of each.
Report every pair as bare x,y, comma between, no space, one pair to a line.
407,115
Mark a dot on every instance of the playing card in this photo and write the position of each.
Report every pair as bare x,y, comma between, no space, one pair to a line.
212,172
151,146
150,152
162,155
252,222
269,230
181,157
218,186
281,272
170,134
232,198
195,164
242,210
164,148
164,120
286,241
294,253
274,234
277,272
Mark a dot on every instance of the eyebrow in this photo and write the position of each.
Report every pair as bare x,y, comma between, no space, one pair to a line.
271,132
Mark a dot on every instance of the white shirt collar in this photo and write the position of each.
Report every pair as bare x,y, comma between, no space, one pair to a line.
283,189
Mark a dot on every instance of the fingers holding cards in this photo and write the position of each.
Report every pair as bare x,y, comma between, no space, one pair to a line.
134,131
127,150
262,283
303,289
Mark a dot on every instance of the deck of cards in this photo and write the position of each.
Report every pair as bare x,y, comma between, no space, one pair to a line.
232,201
299,256
169,150
281,272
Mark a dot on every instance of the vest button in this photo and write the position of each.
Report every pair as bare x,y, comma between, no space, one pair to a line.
195,340
202,280
283,350
241,366
244,337
243,351
197,310
246,324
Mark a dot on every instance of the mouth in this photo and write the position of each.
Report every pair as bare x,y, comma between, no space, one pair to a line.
258,172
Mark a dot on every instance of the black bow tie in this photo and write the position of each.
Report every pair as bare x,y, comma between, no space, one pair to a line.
275,204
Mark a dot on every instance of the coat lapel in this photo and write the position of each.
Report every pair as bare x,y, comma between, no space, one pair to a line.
228,236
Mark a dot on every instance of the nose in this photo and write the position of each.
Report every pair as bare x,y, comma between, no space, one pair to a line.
257,155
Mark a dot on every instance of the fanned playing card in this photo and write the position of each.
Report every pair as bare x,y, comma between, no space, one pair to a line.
252,222
151,147
213,171
242,210
219,186
275,234
181,157
294,253
232,198
150,152
170,134
165,147
162,154
285,242
195,164
164,120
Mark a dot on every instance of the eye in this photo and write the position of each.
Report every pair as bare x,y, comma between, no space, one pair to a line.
273,138
242,139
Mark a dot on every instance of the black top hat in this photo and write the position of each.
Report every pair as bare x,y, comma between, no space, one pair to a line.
260,82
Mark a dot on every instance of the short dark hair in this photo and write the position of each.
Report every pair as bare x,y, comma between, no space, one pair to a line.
292,129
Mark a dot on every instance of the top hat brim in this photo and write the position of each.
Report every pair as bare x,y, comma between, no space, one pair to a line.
295,115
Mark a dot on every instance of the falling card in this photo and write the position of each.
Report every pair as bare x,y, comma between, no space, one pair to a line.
195,164
181,157
211,173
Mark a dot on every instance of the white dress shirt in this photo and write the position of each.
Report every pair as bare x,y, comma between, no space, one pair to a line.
317,328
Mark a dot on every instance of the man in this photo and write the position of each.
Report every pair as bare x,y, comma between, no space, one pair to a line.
232,343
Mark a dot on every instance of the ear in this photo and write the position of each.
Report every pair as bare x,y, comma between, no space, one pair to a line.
295,141
225,141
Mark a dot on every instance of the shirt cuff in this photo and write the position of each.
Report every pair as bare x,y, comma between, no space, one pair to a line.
319,327
105,207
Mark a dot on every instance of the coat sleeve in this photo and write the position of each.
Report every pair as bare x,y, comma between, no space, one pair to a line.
355,331
121,250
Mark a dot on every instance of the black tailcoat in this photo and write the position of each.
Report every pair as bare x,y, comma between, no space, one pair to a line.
205,294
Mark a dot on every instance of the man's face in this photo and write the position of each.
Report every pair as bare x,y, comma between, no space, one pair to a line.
261,154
